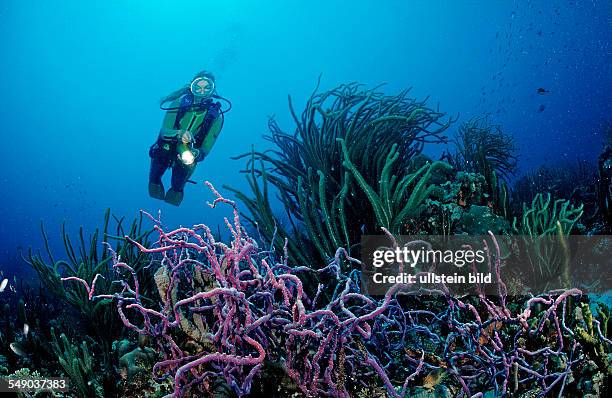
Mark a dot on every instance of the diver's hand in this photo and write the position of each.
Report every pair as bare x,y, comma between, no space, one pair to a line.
186,137
196,154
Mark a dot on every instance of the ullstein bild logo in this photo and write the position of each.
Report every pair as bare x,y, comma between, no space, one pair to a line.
470,264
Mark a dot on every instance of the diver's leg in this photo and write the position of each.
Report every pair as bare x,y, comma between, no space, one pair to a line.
180,175
159,164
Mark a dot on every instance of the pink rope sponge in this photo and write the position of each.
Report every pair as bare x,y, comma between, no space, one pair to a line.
224,309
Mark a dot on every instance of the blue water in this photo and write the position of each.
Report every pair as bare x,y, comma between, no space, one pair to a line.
80,83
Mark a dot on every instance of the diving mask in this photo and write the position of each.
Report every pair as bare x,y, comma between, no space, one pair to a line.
202,87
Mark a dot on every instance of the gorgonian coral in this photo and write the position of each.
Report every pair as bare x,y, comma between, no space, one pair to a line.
305,167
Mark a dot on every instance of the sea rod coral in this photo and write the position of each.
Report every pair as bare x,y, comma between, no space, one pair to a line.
225,309
320,196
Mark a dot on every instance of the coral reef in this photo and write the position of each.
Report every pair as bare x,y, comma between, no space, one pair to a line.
604,191
78,364
89,260
484,148
544,216
181,312
394,203
135,372
306,168
257,310
544,227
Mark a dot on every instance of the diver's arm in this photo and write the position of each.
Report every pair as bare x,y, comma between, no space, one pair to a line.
210,139
169,133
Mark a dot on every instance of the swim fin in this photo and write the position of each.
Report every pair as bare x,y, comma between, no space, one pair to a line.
156,191
174,197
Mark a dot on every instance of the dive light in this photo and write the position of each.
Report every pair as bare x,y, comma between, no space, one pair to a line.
185,154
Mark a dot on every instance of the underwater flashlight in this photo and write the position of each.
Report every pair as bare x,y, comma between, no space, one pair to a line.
186,155
202,87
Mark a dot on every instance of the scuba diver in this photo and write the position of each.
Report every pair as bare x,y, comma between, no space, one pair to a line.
189,130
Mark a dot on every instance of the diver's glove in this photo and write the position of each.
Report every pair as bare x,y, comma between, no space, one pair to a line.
198,154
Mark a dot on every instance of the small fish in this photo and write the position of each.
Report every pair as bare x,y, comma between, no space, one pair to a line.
26,329
433,379
542,91
143,341
541,108
17,349
3,285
